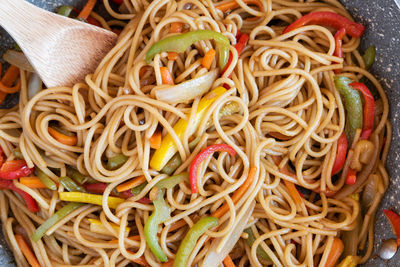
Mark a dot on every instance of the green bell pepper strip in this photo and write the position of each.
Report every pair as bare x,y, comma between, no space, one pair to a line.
353,105
76,175
250,241
160,214
46,180
64,211
190,240
172,181
136,190
369,56
65,11
179,43
117,161
70,185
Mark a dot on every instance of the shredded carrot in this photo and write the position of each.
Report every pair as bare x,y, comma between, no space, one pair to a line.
166,76
87,9
208,59
8,79
237,194
26,250
62,138
131,183
141,260
9,89
228,262
176,27
178,224
134,238
233,4
155,139
172,56
294,193
169,263
334,254
32,182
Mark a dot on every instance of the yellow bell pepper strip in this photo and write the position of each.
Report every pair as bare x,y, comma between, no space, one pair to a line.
179,43
350,261
201,157
190,240
394,220
61,213
96,226
160,214
117,161
70,185
168,148
113,202
46,180
250,241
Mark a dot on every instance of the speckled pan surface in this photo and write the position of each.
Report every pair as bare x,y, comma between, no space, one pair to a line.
382,18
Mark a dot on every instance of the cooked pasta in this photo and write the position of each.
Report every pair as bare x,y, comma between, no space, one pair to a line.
182,157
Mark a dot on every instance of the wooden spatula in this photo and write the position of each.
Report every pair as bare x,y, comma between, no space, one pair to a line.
62,50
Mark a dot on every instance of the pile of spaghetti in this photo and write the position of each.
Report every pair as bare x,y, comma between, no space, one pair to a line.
242,132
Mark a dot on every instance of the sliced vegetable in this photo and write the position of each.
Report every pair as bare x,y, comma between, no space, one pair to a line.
65,11
131,183
61,213
353,105
202,156
369,110
166,76
172,181
70,185
46,179
34,85
341,153
29,201
76,175
187,90
26,250
18,59
161,213
241,43
291,187
69,140
329,19
168,148
250,241
179,43
136,191
190,239
8,80
155,139
14,169
116,161
237,195
96,188
87,9
172,56
228,262
335,252
351,176
96,226
340,34
32,182
141,261
394,220
350,261
17,154
176,27
208,59
231,5
113,202
369,56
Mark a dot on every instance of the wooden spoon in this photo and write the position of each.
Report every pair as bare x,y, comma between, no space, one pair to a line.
61,49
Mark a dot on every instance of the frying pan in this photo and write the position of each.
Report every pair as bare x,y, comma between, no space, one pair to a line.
382,19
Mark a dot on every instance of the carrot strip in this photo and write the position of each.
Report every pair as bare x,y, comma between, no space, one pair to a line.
32,182
176,27
293,192
172,56
169,263
237,194
62,138
166,76
208,59
233,4
30,257
228,261
131,183
334,254
10,76
155,139
134,238
141,260
87,9
178,224
10,90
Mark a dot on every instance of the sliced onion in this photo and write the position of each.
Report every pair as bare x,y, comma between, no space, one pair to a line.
18,59
187,90
214,258
34,86
369,192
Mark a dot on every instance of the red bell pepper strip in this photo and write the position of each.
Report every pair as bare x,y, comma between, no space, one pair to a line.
1,156
394,220
29,201
369,109
330,19
351,176
14,169
243,38
338,45
202,156
98,188
340,154
119,2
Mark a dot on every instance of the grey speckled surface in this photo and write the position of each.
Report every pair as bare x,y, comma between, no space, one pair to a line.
382,18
